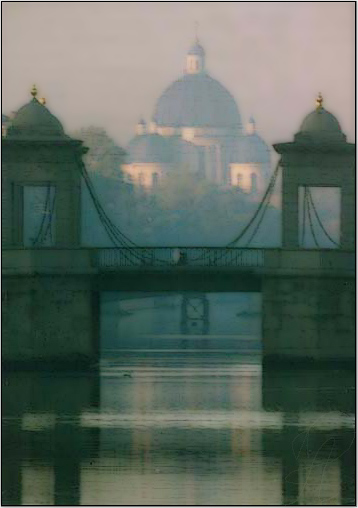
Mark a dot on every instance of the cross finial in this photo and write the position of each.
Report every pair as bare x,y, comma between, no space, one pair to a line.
319,101
34,91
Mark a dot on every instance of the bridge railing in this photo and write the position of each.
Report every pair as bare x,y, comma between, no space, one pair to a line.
111,259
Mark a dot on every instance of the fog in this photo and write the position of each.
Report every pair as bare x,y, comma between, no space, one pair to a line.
107,63
102,65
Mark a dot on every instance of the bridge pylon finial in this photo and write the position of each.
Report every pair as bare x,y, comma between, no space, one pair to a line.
34,91
319,101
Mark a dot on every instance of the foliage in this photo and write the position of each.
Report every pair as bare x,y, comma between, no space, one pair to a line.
104,156
183,210
181,189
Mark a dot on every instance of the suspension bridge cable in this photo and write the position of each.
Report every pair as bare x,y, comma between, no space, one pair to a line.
106,222
116,233
310,220
112,236
119,239
123,238
261,204
304,218
261,217
40,231
319,220
51,211
264,203
116,236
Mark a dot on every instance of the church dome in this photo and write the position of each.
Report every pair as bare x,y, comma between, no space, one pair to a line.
34,121
254,149
149,148
251,148
197,100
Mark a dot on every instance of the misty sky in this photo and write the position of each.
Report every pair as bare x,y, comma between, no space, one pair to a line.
105,64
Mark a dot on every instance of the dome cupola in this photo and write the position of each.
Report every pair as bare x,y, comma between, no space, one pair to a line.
320,126
195,59
197,100
148,148
34,121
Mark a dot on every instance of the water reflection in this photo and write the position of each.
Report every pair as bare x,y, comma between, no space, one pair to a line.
187,320
192,429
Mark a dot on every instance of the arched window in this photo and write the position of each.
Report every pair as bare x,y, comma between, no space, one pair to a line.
155,179
253,183
239,180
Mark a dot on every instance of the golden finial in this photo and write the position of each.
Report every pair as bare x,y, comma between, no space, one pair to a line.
42,101
319,101
34,91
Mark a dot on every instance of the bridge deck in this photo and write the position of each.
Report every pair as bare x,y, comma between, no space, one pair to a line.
179,260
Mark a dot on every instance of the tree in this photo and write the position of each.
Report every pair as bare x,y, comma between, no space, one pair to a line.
181,189
104,156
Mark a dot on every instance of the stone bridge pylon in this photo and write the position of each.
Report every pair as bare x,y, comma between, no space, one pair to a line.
46,316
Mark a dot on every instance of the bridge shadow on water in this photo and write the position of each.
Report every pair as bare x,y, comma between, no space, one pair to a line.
200,422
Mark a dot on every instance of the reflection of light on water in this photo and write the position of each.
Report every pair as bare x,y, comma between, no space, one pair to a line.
326,421
214,420
38,421
185,372
38,484
169,481
319,482
176,255
181,431
138,320
244,337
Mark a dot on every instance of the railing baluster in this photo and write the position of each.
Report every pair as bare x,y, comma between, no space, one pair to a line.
110,258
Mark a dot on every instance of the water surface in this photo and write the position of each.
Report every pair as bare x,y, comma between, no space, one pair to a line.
179,427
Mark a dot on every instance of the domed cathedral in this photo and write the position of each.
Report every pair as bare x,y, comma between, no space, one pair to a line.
197,124
252,170
150,156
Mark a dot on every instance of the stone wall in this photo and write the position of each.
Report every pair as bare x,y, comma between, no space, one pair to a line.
50,318
308,318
